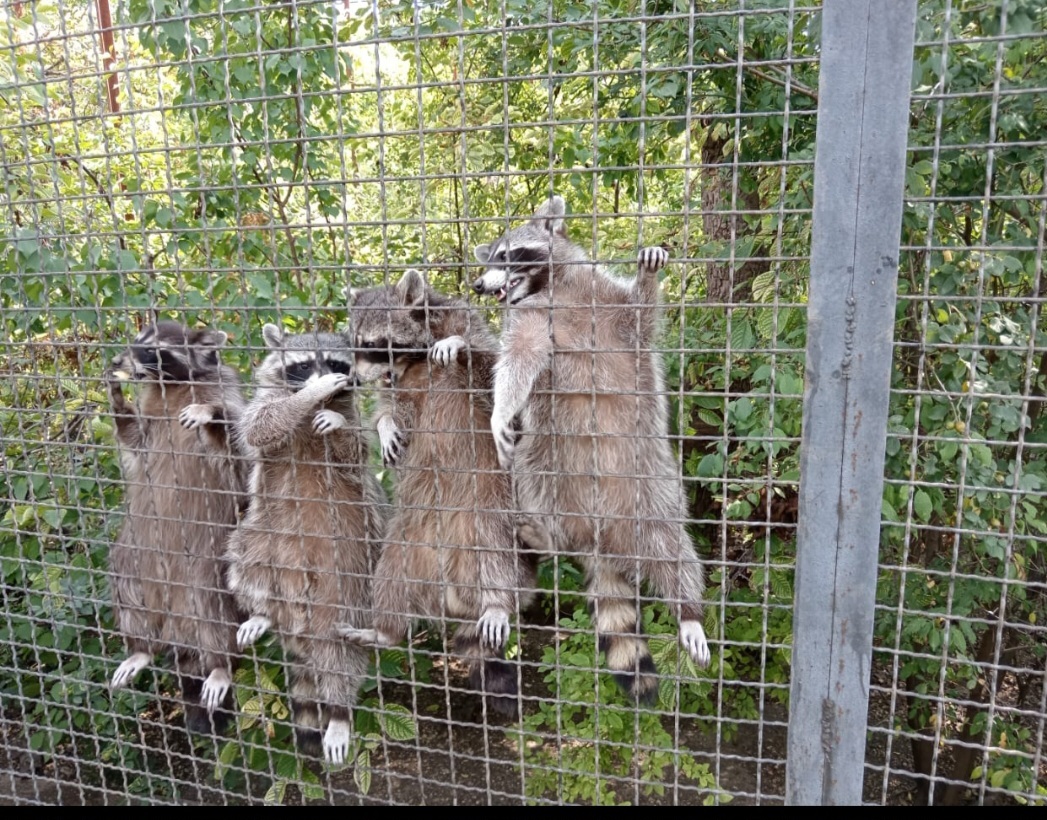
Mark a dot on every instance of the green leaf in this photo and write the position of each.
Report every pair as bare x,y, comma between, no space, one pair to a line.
711,466
743,408
164,217
922,506
362,772
742,336
275,795
397,722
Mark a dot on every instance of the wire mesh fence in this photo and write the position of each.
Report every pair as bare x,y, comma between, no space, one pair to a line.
432,534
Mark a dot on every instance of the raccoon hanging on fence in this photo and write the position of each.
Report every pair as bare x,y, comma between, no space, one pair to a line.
300,562
185,483
449,548
594,466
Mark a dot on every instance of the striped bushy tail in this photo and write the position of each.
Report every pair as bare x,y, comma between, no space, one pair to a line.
615,618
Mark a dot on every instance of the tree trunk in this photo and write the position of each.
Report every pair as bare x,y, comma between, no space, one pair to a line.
726,282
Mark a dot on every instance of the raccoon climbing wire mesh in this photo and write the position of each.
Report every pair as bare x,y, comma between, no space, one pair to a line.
493,528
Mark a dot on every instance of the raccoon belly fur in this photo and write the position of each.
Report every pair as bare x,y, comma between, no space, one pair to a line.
302,558
166,566
594,466
449,550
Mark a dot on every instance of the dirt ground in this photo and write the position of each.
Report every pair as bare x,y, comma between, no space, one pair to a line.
457,758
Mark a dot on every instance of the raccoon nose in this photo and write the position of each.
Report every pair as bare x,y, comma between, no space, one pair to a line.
478,286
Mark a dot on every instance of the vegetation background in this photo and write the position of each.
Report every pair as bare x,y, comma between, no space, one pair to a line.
246,158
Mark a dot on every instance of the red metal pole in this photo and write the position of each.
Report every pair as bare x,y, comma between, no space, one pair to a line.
105,20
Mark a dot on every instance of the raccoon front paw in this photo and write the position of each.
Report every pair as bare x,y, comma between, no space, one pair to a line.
504,441
533,535
336,742
119,370
363,637
494,628
446,351
391,440
215,688
251,630
692,636
127,671
652,260
327,421
196,415
328,385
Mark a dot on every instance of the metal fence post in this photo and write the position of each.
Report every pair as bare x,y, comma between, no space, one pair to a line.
863,109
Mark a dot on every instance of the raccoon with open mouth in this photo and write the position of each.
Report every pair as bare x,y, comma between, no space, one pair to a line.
593,466
185,483
300,562
450,550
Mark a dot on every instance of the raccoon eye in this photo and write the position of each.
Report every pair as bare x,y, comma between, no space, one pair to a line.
337,366
299,372
378,344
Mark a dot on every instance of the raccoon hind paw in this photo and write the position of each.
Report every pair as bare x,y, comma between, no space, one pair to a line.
493,627
215,689
692,637
336,742
127,671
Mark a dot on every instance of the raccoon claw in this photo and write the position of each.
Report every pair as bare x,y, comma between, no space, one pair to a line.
195,415
652,260
391,440
505,442
251,630
494,628
446,351
215,688
327,421
336,742
692,636
127,671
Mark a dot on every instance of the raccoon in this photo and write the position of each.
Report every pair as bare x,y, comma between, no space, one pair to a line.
449,548
300,562
594,467
185,484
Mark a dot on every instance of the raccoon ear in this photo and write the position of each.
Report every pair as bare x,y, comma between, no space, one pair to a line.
273,336
482,253
214,338
550,213
351,294
411,287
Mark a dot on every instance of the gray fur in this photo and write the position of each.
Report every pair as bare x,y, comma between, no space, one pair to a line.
449,549
300,562
594,466
185,481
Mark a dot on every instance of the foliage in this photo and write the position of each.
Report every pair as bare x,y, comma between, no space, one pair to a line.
965,427
264,738
602,763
